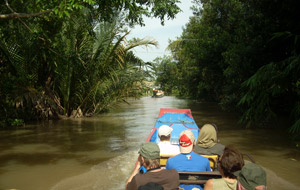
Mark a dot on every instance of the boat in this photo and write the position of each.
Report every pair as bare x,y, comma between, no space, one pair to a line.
180,120
157,93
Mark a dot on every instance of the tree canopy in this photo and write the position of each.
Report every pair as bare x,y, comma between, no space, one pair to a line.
71,57
244,55
134,10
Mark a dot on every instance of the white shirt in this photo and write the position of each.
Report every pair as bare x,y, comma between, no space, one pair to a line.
167,148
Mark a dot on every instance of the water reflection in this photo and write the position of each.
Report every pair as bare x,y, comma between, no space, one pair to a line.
99,152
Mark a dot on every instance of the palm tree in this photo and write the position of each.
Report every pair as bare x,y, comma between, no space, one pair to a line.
92,75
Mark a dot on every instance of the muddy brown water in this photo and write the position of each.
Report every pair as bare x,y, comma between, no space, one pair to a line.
99,153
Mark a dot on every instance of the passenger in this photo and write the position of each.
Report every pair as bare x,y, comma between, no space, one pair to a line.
207,142
151,186
165,146
230,162
187,160
251,177
149,158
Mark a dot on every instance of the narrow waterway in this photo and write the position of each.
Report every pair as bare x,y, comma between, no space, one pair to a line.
100,152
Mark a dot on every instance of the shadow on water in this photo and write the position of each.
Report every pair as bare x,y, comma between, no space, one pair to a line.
100,152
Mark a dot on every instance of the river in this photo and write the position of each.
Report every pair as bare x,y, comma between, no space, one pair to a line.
99,153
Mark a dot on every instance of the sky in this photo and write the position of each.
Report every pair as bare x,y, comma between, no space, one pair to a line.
154,30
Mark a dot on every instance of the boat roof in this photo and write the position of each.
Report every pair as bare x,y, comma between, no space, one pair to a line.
172,110
178,119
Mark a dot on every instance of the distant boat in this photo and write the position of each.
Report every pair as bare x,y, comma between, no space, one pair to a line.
157,93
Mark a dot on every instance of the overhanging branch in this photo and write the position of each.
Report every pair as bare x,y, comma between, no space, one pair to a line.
15,15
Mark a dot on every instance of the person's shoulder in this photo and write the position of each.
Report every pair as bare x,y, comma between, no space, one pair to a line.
137,177
218,149
133,183
178,156
208,185
168,144
202,159
198,155
172,173
173,146
220,146
198,148
209,182
174,160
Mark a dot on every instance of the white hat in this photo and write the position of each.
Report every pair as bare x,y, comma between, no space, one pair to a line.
186,141
164,130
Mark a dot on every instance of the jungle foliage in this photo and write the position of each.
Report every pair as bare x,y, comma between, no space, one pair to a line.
242,54
70,57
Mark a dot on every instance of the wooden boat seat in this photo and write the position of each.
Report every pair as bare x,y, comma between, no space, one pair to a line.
164,158
213,160
197,177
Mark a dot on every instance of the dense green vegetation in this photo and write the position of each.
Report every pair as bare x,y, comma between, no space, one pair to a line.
244,55
59,57
73,58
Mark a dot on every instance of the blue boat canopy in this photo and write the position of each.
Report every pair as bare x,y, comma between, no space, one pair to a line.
178,119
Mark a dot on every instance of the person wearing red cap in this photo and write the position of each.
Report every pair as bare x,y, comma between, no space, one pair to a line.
187,160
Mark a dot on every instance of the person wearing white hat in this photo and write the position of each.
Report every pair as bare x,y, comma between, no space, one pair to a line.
165,146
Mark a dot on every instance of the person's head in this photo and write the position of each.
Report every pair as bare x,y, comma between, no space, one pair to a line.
230,162
186,141
207,136
149,155
164,132
252,177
